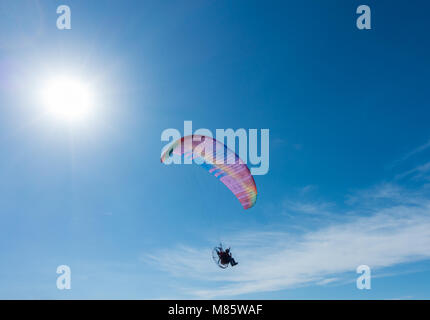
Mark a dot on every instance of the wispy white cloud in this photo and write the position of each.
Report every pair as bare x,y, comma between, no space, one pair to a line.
393,234
385,194
382,226
403,298
420,172
308,189
308,207
412,153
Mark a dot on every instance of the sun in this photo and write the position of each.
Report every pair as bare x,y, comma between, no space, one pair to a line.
68,98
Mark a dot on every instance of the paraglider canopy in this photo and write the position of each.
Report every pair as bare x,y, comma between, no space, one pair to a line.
220,161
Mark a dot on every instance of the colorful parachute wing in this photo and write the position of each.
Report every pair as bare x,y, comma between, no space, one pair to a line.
220,161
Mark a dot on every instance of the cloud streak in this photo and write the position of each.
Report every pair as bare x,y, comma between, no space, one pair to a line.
394,233
412,153
382,226
420,172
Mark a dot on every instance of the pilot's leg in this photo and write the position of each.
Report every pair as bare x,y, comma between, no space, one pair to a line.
233,262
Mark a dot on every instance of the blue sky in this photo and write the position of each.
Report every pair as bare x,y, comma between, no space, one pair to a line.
349,150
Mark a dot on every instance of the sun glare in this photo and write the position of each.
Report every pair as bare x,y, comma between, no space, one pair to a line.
67,98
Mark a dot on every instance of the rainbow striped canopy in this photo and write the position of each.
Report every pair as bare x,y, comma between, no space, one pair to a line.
220,161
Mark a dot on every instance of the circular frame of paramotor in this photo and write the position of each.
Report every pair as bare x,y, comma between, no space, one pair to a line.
216,258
